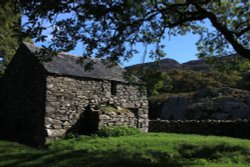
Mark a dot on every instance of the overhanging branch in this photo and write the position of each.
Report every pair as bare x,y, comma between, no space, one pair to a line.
225,32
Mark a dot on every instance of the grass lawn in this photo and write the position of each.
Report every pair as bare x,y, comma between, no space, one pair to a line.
143,150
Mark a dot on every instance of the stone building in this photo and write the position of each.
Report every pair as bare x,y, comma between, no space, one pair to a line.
43,100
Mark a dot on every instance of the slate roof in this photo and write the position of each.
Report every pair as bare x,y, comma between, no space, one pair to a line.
65,64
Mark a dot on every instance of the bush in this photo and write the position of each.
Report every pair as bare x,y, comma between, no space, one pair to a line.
245,81
117,131
71,136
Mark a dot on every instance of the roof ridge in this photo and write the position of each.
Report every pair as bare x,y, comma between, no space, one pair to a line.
66,64
60,53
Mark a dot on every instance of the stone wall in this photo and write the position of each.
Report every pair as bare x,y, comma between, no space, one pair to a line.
117,119
233,128
22,100
68,99
36,106
96,119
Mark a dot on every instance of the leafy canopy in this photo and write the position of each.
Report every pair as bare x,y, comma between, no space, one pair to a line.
111,28
10,32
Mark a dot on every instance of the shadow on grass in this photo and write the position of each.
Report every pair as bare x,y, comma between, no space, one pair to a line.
219,152
15,155
21,157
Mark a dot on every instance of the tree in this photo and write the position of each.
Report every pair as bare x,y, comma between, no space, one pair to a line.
156,82
111,28
10,32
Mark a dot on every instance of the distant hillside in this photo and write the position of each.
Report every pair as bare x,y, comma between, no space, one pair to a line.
216,88
162,65
169,76
170,64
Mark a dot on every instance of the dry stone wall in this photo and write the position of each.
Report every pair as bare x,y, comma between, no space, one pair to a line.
70,100
117,119
22,101
233,128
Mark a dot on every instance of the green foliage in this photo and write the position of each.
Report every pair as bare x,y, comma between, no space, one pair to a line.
117,131
143,150
111,29
189,81
10,32
184,81
71,136
156,82
231,64
213,43
245,82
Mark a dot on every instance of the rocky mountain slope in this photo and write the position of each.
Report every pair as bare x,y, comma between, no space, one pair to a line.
208,103
169,64
195,92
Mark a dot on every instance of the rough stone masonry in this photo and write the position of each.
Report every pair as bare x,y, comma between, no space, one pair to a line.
70,100
43,100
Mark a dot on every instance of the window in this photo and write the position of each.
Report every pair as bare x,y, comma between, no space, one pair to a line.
113,88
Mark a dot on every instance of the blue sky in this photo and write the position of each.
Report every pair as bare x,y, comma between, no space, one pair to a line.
180,48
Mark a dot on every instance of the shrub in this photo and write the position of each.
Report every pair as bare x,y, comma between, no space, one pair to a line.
117,131
245,81
157,82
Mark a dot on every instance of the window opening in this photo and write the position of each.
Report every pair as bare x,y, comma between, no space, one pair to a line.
113,88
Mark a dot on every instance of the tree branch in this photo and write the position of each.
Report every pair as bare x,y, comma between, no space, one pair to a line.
243,31
225,32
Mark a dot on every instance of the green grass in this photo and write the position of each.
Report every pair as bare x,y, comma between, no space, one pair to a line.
118,131
143,150
112,109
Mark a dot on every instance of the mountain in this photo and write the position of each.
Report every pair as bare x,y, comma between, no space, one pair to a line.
196,65
170,64
161,65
